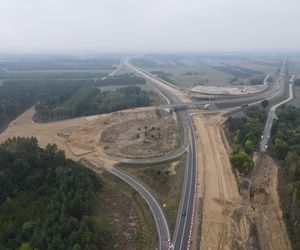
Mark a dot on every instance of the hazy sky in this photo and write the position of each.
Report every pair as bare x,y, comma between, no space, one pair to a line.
148,25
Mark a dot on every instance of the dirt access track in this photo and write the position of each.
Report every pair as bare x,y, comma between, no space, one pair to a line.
216,184
78,137
230,219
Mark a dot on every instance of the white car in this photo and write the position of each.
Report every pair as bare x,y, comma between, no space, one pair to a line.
266,147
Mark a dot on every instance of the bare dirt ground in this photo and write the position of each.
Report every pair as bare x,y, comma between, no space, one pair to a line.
264,198
78,137
221,90
243,215
141,135
218,189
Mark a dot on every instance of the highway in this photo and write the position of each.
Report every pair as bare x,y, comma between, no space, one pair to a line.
271,115
161,222
183,228
181,237
275,90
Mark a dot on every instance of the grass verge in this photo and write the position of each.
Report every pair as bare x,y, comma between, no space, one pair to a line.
128,217
164,182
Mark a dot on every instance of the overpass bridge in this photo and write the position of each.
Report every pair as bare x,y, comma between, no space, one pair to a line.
205,103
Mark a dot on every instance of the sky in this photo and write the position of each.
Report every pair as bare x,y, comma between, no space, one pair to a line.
148,25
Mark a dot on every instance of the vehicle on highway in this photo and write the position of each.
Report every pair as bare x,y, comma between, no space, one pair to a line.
266,147
183,213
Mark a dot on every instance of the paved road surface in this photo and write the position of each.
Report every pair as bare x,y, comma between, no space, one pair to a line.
181,237
159,159
161,222
270,119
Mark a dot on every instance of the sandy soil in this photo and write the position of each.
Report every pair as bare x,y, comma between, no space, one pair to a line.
231,216
218,188
271,230
140,136
220,90
78,137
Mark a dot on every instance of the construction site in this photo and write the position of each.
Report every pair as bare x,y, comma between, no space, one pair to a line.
236,213
231,212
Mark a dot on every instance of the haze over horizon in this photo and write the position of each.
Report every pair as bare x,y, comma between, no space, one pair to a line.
148,25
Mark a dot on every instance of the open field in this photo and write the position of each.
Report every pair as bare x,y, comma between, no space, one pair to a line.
187,73
294,66
162,180
142,135
192,71
57,67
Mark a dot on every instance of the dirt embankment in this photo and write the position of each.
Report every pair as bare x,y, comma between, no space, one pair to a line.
78,137
231,215
264,199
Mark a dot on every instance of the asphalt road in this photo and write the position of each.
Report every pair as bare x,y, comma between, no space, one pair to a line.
181,237
159,159
161,222
271,115
183,228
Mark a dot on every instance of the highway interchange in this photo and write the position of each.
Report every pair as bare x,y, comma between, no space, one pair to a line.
181,237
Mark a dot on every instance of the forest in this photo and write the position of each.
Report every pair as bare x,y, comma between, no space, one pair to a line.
286,148
245,133
88,101
46,200
59,99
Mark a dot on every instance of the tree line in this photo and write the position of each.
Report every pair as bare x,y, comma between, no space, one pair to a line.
245,133
286,148
88,100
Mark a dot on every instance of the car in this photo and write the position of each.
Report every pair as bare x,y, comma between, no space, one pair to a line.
262,137
183,213
266,147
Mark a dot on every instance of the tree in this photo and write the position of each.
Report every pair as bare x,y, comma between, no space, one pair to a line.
265,103
242,162
281,148
249,147
25,246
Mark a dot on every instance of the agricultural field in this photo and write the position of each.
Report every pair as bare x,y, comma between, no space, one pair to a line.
189,71
294,66
56,67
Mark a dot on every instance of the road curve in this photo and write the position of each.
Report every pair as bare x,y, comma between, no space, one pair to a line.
161,222
270,119
160,159
181,237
